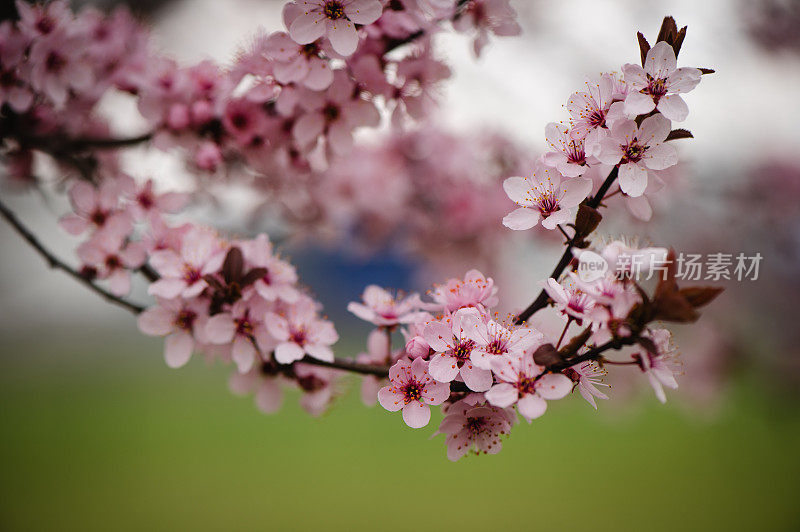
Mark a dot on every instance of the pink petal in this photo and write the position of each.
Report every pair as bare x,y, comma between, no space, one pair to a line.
443,368
476,379
155,321
502,395
531,406
243,353
178,349
632,179
416,415
389,399
521,219
220,329
307,28
343,36
553,386
673,107
363,11
288,352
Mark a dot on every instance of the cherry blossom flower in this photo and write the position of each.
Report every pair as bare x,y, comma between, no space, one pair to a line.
334,113
146,203
386,310
280,279
57,66
296,63
544,195
485,16
300,332
494,340
525,384
38,20
569,300
658,84
264,381
182,322
317,385
588,375
411,389
113,259
637,149
660,367
453,347
569,157
96,207
182,273
335,19
474,290
242,327
589,109
474,428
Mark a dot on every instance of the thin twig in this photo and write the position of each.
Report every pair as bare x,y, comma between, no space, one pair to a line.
55,262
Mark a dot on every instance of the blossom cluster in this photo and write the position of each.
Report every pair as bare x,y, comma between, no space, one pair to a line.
461,356
620,122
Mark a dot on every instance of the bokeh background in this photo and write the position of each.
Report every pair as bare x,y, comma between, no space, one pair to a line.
98,434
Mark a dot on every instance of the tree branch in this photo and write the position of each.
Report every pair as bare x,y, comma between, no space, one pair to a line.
55,262
541,300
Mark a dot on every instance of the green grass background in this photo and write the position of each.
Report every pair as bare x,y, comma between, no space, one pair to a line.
97,434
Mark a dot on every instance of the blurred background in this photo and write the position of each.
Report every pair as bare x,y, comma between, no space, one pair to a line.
98,434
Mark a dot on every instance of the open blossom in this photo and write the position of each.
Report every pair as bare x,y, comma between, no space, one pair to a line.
145,202
453,348
300,332
494,340
588,375
183,324
524,383
485,16
660,367
570,300
637,149
569,156
474,290
264,381
243,329
594,109
335,19
411,389
298,63
335,114
279,281
475,428
112,259
97,208
544,195
57,66
182,273
658,84
317,385
386,310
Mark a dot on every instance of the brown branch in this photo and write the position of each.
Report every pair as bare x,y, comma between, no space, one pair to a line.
55,262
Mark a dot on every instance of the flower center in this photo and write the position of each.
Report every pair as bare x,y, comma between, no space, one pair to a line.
412,391
113,262
334,10
330,112
656,87
476,425
497,347
191,275
597,118
185,319
548,203
244,326
98,217
54,62
298,336
526,386
463,350
634,152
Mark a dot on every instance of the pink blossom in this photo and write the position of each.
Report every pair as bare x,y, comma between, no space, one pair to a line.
637,149
658,84
58,66
589,109
146,203
334,113
96,207
475,428
569,300
317,385
588,375
300,332
569,157
182,273
280,279
660,367
335,19
525,384
386,310
112,258
182,322
295,63
243,329
484,16
453,348
420,76
544,195
494,340
474,290
38,20
264,382
13,89
411,389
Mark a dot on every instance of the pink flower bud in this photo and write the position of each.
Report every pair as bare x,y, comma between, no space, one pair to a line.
202,112
178,116
417,347
208,157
